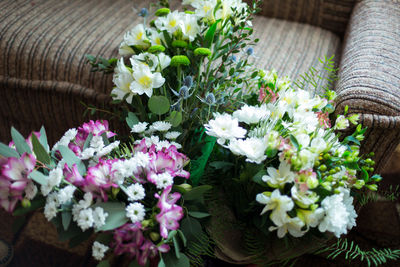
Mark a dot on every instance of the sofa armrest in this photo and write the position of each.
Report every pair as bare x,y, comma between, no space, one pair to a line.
332,15
369,76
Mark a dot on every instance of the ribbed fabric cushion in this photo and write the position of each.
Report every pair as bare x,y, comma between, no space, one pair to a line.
369,80
292,48
332,15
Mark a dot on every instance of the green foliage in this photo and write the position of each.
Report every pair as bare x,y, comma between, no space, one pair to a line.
352,251
116,215
391,194
35,204
71,159
8,152
19,141
159,104
38,177
40,152
101,64
198,165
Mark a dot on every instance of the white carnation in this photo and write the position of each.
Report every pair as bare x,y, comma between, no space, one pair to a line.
251,114
161,126
135,212
135,192
55,177
162,180
97,142
172,135
50,210
252,148
139,127
224,127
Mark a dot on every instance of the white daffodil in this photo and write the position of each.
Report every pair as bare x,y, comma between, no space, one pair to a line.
251,114
252,148
224,127
189,27
278,178
279,204
122,79
145,80
291,225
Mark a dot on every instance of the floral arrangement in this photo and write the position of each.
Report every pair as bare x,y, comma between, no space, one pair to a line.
215,142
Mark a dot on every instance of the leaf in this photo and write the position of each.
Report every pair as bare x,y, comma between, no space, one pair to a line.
176,247
134,263
199,164
40,152
104,238
132,119
175,118
64,235
8,152
38,177
191,229
35,204
197,192
221,165
103,263
364,175
170,259
66,219
116,215
294,142
258,178
198,214
20,143
210,34
161,263
18,223
351,138
87,141
71,159
43,139
159,104
78,239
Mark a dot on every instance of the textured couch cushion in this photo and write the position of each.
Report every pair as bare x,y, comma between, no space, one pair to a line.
43,71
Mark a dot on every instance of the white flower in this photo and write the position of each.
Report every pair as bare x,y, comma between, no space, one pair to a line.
252,148
251,114
137,36
279,204
107,149
189,27
98,250
142,159
135,212
307,159
303,140
291,225
172,135
50,210
87,153
139,127
169,23
30,191
278,178
122,79
145,80
87,200
224,127
161,126
66,194
162,180
55,177
85,219
204,9
177,145
162,144
163,61
135,192
67,137
318,145
125,49
97,142
156,38
303,199
147,59
348,202
99,217
341,123
311,217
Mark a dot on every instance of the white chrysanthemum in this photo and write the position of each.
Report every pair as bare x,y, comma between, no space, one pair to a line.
172,135
279,204
305,121
107,149
139,127
142,159
30,190
135,192
163,180
341,123
98,250
278,178
55,177
50,210
97,142
162,144
136,36
177,145
251,114
122,79
189,26
87,153
336,215
85,219
66,194
145,80
224,127
252,148
170,23
135,212
161,126
291,225
99,217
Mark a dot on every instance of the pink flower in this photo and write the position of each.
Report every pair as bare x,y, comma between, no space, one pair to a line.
170,214
323,118
266,94
73,176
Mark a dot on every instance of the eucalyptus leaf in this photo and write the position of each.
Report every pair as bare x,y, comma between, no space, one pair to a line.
116,215
41,153
170,259
71,159
87,141
198,214
8,152
132,119
176,247
191,228
66,217
20,143
183,238
38,177
76,240
159,104
196,192
43,139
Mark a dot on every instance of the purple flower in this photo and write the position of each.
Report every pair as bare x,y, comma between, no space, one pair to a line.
101,177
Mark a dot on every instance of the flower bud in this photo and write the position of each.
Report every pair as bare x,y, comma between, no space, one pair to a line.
314,206
144,12
162,12
26,203
145,223
322,167
312,182
372,187
250,51
154,236
189,12
359,184
115,191
327,186
186,187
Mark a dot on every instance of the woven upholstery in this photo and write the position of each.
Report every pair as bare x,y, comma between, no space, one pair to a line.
369,80
332,15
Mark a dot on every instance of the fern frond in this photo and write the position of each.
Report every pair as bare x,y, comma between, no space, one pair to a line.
352,251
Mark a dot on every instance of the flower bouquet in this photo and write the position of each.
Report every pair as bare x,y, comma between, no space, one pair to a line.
223,159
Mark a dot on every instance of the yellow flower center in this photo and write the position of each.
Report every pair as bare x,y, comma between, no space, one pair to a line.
139,36
172,23
145,81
